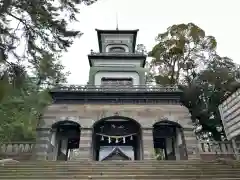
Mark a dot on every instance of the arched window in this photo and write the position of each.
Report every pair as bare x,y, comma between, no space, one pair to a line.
117,48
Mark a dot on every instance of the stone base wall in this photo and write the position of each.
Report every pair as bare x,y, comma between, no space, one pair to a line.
17,156
89,114
212,157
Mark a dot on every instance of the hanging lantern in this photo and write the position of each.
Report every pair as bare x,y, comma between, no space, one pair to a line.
124,140
131,138
109,140
116,140
102,139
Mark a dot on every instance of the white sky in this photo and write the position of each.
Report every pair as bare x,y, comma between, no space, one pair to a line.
217,17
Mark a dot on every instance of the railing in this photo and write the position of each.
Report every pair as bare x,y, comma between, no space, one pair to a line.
216,147
17,147
138,88
117,54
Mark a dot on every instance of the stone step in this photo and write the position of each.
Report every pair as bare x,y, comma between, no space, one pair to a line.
119,176
124,167
118,170
115,169
117,163
126,162
156,171
134,179
120,167
138,179
109,165
172,173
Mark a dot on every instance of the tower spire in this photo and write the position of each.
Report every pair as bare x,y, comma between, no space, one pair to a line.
116,21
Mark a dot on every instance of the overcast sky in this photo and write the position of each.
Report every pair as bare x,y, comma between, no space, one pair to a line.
219,18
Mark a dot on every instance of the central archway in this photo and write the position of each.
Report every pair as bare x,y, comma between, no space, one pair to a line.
117,138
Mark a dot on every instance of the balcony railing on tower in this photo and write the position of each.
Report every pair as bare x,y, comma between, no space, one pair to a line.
120,88
117,53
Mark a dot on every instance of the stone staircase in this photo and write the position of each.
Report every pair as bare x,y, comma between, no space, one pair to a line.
114,170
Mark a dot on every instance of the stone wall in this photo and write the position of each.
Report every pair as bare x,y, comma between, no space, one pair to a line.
20,151
88,114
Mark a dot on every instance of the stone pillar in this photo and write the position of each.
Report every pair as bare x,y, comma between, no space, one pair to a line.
85,146
178,143
148,147
53,145
235,148
42,143
191,143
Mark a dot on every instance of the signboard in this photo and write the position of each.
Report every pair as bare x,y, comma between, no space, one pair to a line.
230,115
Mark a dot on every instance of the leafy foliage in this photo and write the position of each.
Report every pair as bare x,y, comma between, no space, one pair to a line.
19,111
41,27
185,56
179,51
209,88
33,36
141,48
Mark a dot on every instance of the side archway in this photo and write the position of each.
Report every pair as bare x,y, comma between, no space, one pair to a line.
65,137
116,138
169,141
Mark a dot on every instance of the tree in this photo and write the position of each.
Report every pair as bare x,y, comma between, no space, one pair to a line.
209,88
179,52
19,112
41,27
33,36
141,48
186,57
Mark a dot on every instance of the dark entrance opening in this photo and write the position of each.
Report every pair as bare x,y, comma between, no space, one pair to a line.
117,138
168,140
66,138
